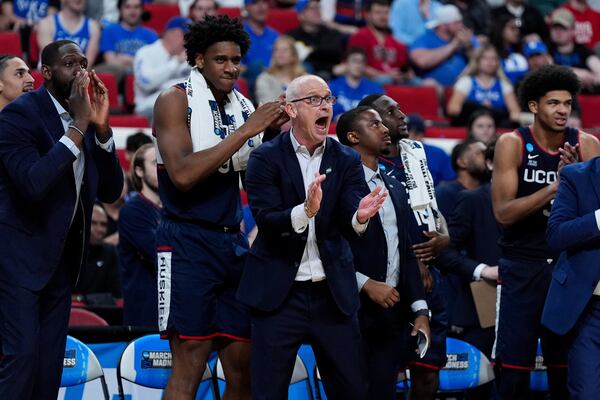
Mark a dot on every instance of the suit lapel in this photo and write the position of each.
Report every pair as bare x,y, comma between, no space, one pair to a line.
49,115
327,165
595,177
290,161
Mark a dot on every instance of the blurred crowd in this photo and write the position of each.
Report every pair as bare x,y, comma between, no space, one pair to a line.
360,47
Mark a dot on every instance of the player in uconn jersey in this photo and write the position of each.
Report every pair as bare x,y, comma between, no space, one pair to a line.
201,128
525,179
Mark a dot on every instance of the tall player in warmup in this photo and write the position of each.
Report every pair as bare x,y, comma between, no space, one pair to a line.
205,131
525,179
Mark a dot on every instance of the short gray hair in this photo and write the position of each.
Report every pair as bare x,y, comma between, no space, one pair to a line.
294,89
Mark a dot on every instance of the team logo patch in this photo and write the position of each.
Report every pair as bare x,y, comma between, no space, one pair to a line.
164,286
529,147
156,359
70,360
458,361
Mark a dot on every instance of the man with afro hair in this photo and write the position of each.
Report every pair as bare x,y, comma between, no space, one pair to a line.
525,180
203,128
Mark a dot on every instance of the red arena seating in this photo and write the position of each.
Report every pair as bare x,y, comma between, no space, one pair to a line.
82,317
37,76
416,99
233,12
10,43
446,132
282,20
160,14
34,49
129,92
113,92
128,121
590,117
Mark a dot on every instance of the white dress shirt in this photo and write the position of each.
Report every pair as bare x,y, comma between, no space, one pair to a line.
389,223
79,163
311,267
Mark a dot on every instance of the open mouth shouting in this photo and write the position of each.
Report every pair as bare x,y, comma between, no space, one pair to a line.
322,124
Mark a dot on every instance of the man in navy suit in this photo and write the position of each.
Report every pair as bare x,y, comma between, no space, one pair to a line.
305,192
573,302
56,157
388,277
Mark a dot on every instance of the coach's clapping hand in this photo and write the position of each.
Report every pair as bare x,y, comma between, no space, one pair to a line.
370,204
314,195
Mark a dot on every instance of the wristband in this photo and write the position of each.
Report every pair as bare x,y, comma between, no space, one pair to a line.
77,130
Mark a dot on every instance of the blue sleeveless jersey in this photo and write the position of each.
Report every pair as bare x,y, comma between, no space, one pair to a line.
215,200
481,95
81,37
526,239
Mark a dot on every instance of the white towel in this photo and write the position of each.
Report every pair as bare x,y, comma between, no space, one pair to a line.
204,110
419,183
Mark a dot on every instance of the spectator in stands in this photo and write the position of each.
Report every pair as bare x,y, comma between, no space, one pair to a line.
15,79
262,39
133,143
319,46
587,23
353,86
99,280
198,9
437,159
442,52
386,57
70,23
476,16
160,65
285,67
345,16
469,165
137,250
409,18
120,41
506,38
536,54
528,18
484,85
566,52
482,127
22,14
545,7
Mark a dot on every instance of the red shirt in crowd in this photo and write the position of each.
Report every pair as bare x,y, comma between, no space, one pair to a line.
386,56
587,26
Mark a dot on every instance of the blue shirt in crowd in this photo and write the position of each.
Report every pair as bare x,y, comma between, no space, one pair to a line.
348,97
117,39
447,71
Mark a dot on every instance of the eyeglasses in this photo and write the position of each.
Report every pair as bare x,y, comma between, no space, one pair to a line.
316,101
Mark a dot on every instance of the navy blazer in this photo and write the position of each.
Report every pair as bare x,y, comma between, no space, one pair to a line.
371,256
275,186
573,230
38,194
474,235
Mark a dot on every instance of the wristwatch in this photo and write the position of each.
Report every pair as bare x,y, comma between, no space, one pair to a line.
423,311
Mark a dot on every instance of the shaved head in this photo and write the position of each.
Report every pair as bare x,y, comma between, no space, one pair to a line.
294,89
